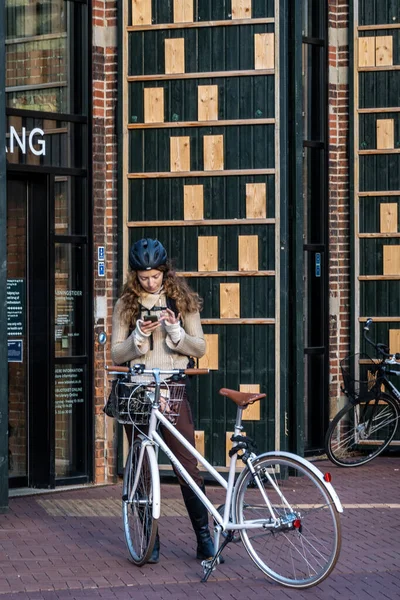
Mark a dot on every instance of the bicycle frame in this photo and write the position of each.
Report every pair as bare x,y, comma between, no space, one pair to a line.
225,522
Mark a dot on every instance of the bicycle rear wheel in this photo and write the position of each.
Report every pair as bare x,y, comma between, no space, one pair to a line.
140,528
361,432
299,544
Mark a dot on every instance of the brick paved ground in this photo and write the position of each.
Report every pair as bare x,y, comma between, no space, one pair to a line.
69,545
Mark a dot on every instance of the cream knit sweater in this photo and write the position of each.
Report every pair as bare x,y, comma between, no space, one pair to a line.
165,354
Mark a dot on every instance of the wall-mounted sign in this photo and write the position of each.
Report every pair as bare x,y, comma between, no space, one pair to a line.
100,253
101,269
26,141
15,307
15,351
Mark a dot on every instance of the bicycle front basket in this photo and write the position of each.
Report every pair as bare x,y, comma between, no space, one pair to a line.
359,375
133,404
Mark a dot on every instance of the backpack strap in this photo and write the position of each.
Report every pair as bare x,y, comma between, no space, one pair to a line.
171,304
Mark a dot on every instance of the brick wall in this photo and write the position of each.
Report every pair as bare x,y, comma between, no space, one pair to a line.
339,209
104,216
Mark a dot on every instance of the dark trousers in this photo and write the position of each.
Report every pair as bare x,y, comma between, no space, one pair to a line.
185,426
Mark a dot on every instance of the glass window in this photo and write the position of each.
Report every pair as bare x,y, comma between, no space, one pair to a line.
313,91
70,300
45,142
313,15
70,215
43,38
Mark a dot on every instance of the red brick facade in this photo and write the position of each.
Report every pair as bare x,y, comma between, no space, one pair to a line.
339,200
105,168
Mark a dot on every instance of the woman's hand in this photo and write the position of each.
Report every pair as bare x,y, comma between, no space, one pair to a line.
147,327
170,318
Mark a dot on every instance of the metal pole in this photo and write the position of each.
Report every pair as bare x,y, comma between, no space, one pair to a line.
3,278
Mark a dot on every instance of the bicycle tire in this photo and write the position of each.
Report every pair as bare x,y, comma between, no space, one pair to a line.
303,547
140,528
347,441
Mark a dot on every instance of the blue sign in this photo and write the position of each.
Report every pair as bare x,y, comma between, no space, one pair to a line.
101,269
318,264
15,351
100,253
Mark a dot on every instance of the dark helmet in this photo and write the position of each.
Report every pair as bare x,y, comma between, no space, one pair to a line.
147,254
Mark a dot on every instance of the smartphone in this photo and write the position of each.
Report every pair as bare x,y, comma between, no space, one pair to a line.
152,318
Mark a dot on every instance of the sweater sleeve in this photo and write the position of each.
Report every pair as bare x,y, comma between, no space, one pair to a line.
192,342
124,347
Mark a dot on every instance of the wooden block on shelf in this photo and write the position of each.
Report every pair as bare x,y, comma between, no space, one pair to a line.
391,260
384,134
241,9
199,442
213,152
248,253
141,12
264,50
207,103
252,412
229,300
183,11
154,105
394,340
256,201
389,217
180,153
193,202
366,52
384,50
207,253
210,359
174,55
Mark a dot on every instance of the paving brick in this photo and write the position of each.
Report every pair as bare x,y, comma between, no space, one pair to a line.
76,557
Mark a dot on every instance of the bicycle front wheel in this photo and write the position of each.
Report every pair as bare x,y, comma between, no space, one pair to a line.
297,542
140,528
361,432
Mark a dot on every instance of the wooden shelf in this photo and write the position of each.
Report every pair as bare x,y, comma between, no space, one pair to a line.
227,273
196,24
182,124
200,223
379,277
201,75
222,173
238,321
380,319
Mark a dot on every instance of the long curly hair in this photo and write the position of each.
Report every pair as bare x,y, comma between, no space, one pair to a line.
175,287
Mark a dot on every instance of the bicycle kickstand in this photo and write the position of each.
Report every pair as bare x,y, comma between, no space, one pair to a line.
210,565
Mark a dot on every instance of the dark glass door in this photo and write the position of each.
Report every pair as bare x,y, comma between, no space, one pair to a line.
48,295
29,340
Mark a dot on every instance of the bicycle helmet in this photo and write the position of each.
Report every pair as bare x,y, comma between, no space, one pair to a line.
147,254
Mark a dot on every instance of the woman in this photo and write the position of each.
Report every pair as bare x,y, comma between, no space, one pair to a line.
153,288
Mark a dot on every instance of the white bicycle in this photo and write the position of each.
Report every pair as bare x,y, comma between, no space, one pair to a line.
283,509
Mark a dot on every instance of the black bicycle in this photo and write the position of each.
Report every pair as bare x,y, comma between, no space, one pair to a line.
364,428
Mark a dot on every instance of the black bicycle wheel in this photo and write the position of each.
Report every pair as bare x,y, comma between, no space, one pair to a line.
140,528
361,432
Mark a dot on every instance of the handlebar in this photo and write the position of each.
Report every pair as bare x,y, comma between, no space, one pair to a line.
381,348
140,370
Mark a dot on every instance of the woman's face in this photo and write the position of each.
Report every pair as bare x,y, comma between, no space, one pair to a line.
151,281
